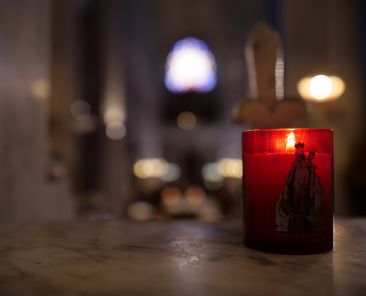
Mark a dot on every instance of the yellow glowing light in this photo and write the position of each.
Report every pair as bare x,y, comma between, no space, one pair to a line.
187,120
114,111
230,168
170,196
114,118
321,88
291,141
150,168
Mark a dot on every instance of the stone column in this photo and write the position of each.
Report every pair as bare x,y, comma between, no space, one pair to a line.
24,47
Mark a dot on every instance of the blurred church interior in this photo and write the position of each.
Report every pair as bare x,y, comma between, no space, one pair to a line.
124,109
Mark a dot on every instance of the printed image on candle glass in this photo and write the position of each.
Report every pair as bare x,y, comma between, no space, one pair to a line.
299,206
288,190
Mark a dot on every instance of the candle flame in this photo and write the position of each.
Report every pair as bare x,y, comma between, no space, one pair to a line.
291,141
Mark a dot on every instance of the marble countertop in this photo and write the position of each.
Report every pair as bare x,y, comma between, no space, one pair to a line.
171,258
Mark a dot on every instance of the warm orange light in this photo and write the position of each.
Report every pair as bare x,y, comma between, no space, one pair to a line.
170,196
291,141
195,195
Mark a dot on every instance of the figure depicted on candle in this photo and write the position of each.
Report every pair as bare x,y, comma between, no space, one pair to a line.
299,205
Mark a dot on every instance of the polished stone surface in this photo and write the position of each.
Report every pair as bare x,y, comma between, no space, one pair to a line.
171,258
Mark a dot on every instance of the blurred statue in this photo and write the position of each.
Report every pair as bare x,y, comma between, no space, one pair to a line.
298,208
266,106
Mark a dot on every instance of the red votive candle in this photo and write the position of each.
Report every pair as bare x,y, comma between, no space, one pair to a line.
288,190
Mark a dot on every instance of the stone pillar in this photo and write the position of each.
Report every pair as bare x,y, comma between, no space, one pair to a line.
25,42
24,47
116,167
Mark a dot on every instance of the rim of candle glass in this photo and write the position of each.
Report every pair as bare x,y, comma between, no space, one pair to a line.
288,129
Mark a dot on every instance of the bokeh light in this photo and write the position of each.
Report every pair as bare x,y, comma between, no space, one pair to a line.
210,173
172,173
113,113
170,196
115,130
150,168
195,195
190,66
187,120
230,168
321,88
40,89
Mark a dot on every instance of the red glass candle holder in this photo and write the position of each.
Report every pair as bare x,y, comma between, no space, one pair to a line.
288,190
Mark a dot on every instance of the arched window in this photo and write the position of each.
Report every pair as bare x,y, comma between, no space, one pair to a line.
190,67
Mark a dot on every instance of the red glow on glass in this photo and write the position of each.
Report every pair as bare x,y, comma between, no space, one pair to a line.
271,161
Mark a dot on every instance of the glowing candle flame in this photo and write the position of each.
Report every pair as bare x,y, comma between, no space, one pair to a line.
291,141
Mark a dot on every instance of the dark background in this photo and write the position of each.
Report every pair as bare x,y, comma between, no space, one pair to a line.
68,68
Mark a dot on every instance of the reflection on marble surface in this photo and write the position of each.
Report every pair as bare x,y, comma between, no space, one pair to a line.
170,258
